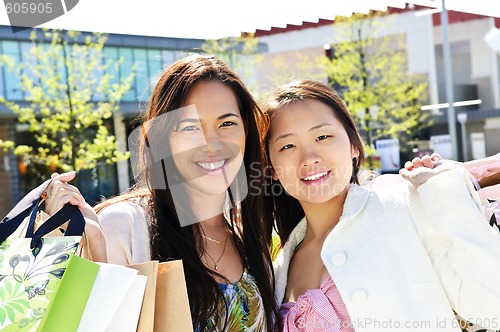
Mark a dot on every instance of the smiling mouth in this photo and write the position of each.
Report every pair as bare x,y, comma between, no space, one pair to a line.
316,176
212,166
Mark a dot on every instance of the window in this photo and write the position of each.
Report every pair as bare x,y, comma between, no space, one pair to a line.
110,61
12,80
141,73
126,71
170,56
155,66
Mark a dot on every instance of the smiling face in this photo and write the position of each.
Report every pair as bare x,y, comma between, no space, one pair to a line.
310,151
208,142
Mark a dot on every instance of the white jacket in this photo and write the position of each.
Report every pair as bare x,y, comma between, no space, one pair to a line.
403,258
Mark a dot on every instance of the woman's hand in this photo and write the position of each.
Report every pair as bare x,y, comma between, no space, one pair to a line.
59,193
419,170
426,161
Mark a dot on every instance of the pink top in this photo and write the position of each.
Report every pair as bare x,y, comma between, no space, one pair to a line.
317,310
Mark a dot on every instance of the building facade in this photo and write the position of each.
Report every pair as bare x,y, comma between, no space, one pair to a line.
283,51
475,68
148,55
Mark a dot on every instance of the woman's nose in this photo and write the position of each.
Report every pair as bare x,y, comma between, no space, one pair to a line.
213,142
310,157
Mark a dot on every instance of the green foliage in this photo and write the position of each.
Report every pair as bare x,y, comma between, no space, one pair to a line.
371,73
239,53
71,93
283,71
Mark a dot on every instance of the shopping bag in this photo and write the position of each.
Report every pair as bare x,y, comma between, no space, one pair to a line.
115,300
126,317
66,309
32,268
147,315
165,306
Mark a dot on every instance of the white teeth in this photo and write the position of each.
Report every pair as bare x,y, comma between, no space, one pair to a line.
212,166
316,176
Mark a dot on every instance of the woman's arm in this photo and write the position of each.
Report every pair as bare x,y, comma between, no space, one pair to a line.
59,193
126,230
463,247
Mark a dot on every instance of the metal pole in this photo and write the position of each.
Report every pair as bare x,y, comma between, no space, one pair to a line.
464,143
462,118
449,82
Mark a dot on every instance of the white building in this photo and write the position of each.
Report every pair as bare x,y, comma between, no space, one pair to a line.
475,66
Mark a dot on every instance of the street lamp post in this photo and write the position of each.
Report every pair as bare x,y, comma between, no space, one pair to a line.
449,82
462,118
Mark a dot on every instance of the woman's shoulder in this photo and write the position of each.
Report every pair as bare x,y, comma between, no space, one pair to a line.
128,206
127,209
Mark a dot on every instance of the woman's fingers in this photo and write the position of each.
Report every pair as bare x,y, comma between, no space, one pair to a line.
63,177
425,161
59,192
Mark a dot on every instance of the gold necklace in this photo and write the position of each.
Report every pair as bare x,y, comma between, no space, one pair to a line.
222,254
210,239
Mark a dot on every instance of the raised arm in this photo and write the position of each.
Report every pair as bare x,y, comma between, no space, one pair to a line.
59,193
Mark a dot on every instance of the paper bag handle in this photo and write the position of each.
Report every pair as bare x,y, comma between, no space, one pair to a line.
69,212
28,206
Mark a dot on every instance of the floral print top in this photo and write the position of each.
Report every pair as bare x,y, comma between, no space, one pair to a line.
243,305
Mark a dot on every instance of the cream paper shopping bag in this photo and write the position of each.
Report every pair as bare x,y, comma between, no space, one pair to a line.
165,306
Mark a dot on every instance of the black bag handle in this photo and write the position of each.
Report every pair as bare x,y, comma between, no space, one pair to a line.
26,206
29,206
69,212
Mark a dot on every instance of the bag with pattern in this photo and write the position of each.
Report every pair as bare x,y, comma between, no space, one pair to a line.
32,265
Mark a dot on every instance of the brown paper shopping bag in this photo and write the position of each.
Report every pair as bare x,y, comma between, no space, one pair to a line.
165,306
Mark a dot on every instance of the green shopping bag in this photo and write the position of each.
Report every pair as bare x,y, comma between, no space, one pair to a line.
32,268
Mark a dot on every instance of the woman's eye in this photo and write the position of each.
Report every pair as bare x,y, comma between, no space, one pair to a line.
322,137
228,124
286,147
189,128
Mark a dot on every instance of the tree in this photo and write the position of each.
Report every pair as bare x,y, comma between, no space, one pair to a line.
371,73
285,71
239,53
71,91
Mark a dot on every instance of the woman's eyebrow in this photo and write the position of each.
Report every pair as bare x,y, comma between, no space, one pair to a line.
188,120
223,116
319,126
227,115
310,129
283,136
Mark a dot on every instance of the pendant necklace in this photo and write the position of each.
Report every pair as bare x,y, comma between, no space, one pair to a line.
216,262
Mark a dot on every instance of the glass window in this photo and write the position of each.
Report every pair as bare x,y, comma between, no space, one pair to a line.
141,73
2,69
97,73
126,53
10,47
30,62
111,58
155,67
169,56
126,71
12,80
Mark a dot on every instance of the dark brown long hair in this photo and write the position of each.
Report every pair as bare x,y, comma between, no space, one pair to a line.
287,210
171,241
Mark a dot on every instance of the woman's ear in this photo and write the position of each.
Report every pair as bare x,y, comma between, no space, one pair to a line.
274,175
354,152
